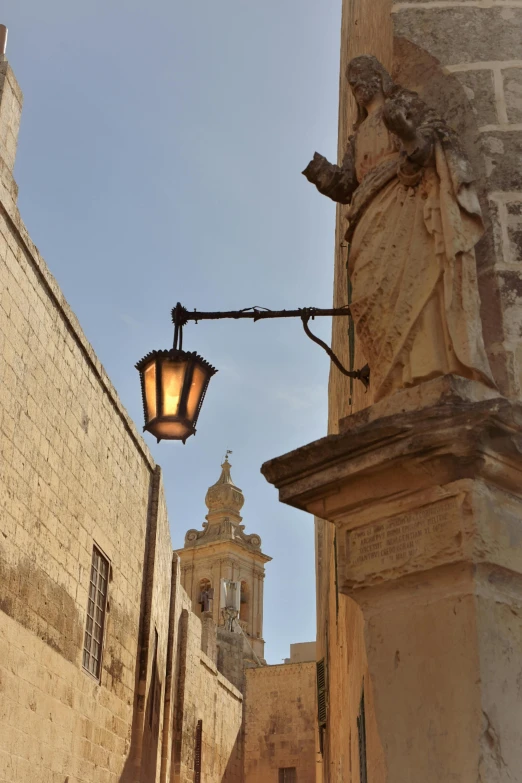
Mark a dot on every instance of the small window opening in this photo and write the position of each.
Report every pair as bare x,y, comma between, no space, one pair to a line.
245,602
287,775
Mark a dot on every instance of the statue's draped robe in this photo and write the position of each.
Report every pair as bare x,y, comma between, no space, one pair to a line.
415,298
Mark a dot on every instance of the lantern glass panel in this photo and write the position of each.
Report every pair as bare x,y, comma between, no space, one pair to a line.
199,378
173,375
149,376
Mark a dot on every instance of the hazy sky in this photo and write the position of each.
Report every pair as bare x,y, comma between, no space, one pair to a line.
159,160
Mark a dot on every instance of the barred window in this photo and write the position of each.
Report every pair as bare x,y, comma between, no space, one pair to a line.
287,775
198,751
96,610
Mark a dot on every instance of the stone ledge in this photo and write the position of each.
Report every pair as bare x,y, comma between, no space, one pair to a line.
434,482
449,425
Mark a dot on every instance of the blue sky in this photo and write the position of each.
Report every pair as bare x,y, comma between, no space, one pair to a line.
159,160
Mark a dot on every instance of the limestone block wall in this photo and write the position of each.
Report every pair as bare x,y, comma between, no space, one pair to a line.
150,754
230,656
74,473
206,695
280,717
10,112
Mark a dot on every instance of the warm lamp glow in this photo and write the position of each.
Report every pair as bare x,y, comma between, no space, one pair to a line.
173,385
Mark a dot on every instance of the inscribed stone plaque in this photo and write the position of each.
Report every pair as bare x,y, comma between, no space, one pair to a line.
403,538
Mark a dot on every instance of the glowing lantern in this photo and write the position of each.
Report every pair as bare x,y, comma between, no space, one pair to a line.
173,387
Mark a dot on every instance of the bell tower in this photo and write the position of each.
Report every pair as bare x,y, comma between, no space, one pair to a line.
223,568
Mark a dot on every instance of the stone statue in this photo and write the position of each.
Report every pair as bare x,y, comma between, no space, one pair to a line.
205,599
414,220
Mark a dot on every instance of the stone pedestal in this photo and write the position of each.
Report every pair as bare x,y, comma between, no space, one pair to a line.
425,490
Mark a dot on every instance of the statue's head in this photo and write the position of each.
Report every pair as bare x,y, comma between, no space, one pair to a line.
367,78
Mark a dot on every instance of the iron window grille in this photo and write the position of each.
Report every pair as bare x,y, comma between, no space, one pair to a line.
96,612
287,775
198,751
154,680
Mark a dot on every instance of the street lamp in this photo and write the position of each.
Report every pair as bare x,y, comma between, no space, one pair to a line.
174,382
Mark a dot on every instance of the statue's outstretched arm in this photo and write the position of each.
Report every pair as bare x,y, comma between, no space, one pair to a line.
336,182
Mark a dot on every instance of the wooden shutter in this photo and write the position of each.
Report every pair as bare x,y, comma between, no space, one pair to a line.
197,754
322,700
321,692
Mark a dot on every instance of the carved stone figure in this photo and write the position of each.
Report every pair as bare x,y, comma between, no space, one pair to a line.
205,599
414,220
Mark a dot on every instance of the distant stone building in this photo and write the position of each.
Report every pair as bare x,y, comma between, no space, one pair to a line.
280,720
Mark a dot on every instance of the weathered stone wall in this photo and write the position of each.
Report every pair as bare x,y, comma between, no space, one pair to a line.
204,694
10,112
73,473
465,58
230,656
280,717
280,710
152,720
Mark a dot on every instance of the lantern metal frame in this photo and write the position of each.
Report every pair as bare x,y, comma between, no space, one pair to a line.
174,354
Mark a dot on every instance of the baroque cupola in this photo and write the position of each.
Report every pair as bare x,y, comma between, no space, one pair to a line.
223,522
223,498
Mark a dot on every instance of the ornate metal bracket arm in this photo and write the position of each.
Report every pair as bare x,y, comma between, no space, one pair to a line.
362,375
181,316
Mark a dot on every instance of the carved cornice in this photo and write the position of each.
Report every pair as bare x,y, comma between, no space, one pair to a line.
225,530
403,489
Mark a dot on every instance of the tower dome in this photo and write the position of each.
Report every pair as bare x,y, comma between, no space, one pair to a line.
223,498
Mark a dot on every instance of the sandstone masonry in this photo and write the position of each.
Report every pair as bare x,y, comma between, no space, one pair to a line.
76,479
